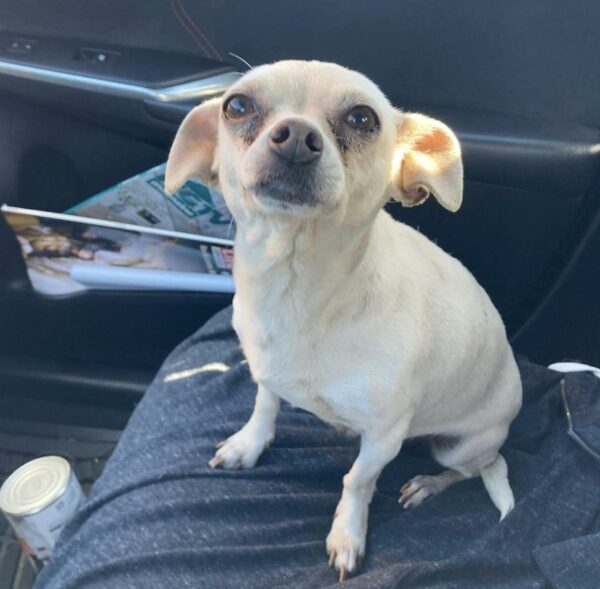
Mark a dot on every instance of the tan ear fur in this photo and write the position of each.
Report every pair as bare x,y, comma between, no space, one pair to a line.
193,151
427,161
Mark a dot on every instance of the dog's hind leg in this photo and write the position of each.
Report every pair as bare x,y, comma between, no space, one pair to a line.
423,487
473,455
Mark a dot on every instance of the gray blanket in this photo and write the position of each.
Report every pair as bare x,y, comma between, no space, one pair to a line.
159,517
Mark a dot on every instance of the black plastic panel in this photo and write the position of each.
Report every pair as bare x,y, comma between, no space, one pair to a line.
52,161
65,380
143,67
500,236
567,324
120,329
523,152
532,57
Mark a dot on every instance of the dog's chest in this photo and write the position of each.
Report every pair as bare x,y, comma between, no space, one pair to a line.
286,355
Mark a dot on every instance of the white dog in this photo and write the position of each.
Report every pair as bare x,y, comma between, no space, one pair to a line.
341,310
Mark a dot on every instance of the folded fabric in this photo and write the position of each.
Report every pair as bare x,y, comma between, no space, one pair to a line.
159,517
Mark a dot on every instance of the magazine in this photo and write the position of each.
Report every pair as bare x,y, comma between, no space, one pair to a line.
65,254
142,200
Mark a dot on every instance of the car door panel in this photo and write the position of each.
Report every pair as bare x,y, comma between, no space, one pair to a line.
489,70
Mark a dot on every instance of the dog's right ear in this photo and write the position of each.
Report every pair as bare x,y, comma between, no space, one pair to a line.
427,161
193,152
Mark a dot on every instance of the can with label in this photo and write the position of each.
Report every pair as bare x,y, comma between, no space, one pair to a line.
38,499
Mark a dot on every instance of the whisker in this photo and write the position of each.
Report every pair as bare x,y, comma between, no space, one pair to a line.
229,228
236,56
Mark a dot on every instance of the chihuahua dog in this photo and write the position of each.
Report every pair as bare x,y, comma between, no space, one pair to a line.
341,310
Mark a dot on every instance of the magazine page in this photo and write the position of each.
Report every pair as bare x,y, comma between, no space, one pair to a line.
142,200
66,254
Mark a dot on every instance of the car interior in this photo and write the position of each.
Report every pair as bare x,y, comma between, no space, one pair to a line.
92,93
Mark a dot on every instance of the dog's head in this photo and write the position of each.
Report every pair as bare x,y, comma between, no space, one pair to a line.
305,139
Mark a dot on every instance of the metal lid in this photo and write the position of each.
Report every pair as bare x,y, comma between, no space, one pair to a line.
34,486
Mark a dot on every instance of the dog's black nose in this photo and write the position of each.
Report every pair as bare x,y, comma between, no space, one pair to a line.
296,141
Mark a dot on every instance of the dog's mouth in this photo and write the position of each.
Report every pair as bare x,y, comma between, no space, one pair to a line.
284,195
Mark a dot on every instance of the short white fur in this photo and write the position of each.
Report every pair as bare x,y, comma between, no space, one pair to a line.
348,314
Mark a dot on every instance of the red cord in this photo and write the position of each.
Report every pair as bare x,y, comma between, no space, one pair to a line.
196,34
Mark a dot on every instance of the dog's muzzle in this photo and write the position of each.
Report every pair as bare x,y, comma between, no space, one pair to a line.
291,173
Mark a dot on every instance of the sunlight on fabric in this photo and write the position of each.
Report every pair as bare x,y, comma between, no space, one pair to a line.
212,367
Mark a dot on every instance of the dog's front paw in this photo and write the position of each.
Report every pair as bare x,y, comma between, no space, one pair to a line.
346,545
241,450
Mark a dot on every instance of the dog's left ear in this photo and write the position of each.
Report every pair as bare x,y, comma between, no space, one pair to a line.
427,161
192,154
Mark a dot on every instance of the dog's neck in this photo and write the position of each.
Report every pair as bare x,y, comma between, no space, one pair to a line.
305,264
265,243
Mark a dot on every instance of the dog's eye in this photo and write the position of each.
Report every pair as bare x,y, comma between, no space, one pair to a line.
238,106
362,118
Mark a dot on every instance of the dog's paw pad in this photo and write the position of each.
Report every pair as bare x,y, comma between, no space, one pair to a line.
417,491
